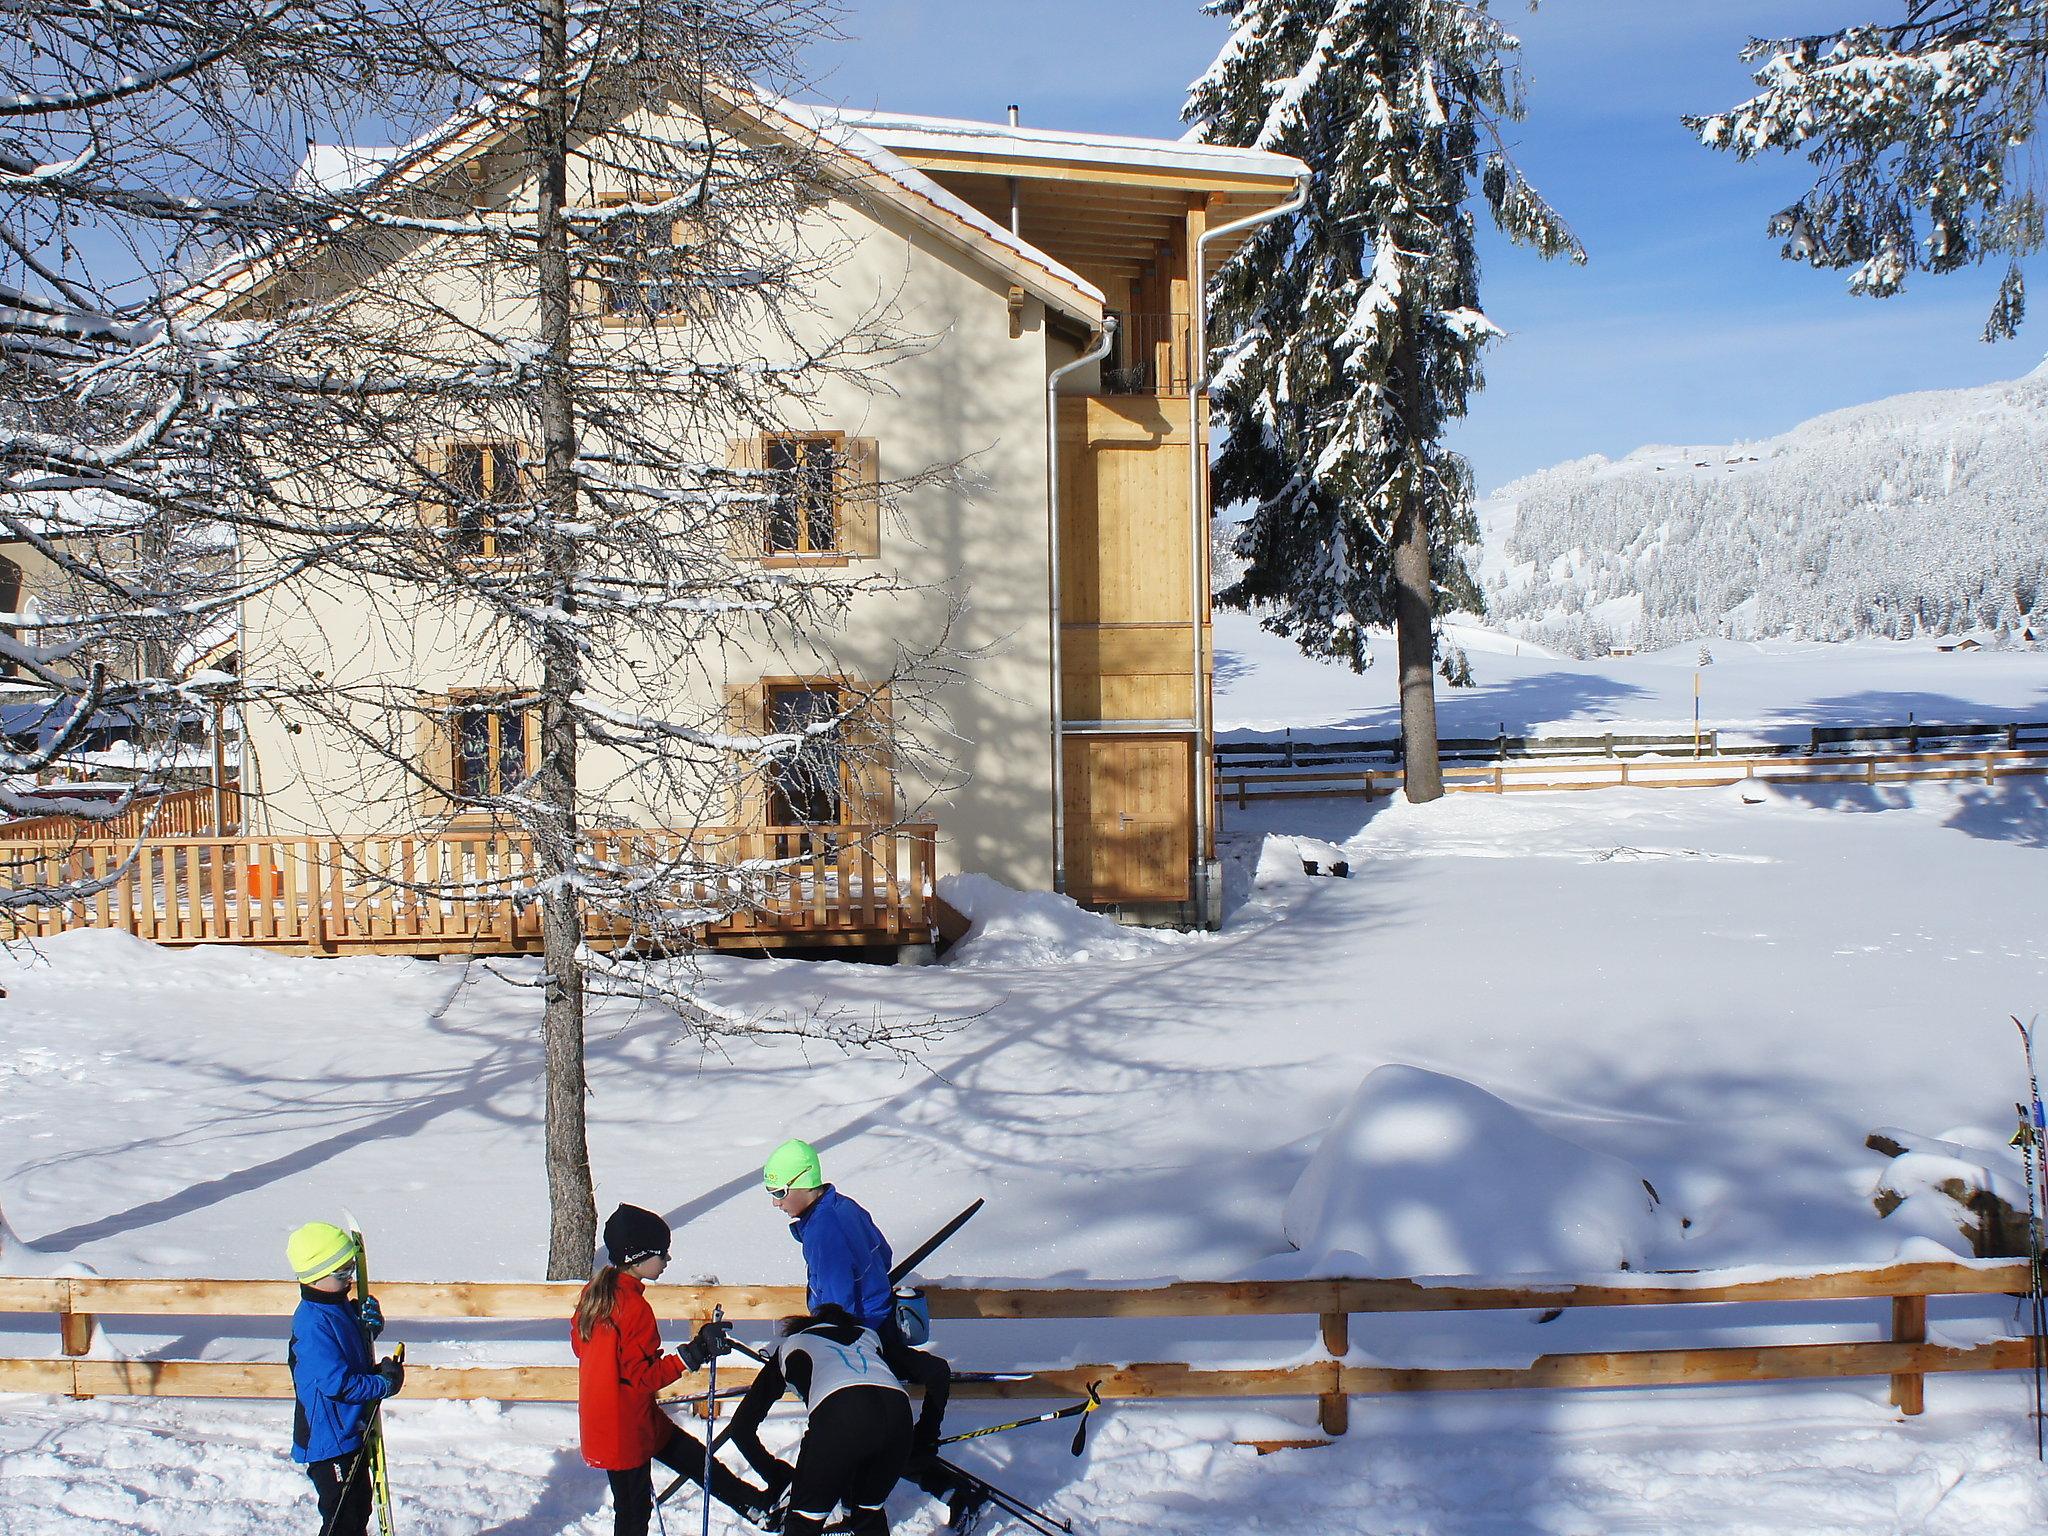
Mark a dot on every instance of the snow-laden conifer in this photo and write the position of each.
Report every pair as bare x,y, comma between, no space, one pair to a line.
1920,131
1350,333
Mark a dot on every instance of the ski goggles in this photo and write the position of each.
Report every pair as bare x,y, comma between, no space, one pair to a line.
780,1194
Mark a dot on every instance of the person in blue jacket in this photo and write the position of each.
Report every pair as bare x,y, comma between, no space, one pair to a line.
335,1379
846,1265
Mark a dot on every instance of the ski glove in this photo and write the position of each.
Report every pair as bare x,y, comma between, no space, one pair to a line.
777,1480
392,1369
710,1340
373,1316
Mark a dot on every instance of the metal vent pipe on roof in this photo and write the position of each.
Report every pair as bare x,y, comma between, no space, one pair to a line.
1016,193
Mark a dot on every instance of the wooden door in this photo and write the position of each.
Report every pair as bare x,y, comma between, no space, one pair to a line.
1129,837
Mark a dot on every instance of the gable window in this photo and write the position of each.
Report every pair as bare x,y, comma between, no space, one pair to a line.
494,746
483,486
645,264
803,501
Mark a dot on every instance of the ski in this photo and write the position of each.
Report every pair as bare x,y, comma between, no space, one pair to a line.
2034,1151
1037,1519
373,1433
931,1244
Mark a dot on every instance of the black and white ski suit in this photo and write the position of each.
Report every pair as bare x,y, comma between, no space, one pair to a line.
858,1438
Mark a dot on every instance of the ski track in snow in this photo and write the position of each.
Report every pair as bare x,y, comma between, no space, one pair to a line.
1535,1464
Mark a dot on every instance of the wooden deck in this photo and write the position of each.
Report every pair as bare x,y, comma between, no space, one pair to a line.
465,892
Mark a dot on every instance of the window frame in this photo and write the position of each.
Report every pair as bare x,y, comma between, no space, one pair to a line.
838,554
598,288
495,706
491,543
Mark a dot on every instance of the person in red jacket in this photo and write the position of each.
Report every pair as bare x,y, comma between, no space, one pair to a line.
619,1369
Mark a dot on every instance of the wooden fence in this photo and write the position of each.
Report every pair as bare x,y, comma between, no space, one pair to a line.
1552,775
1905,1355
174,813
468,891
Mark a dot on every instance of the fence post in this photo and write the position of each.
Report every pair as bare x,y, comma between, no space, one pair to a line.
74,1337
1909,1326
1333,1409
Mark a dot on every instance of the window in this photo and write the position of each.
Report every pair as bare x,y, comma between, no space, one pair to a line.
484,485
803,497
645,264
493,742
805,787
10,602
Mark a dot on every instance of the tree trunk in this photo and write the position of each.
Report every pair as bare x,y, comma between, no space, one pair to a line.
572,1203
1414,629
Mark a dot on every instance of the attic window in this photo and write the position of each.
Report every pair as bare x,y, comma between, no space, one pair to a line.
645,264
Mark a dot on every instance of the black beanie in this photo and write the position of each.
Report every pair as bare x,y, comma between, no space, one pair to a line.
633,1234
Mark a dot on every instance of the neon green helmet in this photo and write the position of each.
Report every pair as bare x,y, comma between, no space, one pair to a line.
317,1250
793,1165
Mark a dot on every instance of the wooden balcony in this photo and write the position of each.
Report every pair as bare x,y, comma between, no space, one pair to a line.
461,892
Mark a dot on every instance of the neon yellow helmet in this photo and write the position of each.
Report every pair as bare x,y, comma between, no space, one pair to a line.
317,1250
793,1165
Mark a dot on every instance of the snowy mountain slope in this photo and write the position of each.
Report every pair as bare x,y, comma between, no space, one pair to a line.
1918,514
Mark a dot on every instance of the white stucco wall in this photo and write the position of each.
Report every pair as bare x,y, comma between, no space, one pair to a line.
974,556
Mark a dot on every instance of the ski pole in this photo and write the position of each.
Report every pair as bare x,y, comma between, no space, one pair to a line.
711,1394
1081,1410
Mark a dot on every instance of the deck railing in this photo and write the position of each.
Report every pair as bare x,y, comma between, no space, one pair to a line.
471,891
174,813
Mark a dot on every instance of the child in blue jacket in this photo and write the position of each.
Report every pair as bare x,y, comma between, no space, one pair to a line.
334,1377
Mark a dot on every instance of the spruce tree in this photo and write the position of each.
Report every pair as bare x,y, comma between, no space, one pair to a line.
1350,333
1920,132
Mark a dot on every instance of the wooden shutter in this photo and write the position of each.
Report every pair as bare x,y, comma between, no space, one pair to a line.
746,713
747,528
870,768
436,742
860,498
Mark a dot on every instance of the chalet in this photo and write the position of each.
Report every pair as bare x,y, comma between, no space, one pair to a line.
1062,273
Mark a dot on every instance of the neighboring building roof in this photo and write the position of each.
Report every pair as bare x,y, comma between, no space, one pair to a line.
903,131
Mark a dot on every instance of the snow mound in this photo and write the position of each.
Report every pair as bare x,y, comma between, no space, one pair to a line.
107,957
1423,1174
1036,929
20,1258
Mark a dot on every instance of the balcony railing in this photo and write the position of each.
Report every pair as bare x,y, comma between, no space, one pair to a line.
1150,356
470,892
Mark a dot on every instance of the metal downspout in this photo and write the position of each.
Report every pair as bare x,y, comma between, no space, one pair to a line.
1095,354
1198,529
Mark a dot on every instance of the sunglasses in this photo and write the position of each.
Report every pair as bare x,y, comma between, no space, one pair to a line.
777,1194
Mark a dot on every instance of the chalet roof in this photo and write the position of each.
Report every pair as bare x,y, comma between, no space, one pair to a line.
1207,163
863,163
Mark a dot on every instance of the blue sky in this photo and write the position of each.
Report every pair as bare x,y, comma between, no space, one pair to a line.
1684,327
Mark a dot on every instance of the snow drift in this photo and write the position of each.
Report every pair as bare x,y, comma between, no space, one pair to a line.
1424,1174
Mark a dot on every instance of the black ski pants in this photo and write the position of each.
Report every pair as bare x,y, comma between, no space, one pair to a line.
854,1450
342,1485
921,1368
633,1489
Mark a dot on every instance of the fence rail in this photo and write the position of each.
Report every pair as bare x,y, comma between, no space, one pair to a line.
471,891
1645,772
1290,752
1906,1356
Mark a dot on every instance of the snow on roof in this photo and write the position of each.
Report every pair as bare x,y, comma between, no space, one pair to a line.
343,167
902,130
835,128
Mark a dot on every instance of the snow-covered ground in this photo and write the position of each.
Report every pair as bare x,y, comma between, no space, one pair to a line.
1723,990
1769,690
